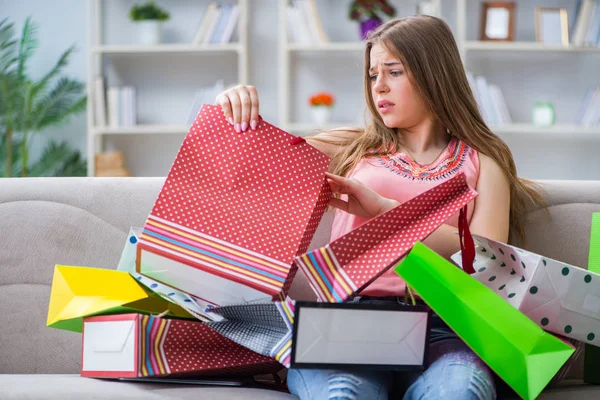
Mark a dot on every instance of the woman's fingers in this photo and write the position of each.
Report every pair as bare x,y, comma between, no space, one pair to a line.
246,106
339,204
223,101
254,107
236,107
240,106
341,185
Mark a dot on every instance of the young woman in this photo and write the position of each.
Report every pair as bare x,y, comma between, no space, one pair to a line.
424,128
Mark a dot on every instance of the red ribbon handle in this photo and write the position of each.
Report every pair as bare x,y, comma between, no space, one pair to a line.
467,245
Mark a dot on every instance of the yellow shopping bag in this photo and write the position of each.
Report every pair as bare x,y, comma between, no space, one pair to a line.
79,292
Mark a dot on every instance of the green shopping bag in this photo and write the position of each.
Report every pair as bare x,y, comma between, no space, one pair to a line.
591,361
512,345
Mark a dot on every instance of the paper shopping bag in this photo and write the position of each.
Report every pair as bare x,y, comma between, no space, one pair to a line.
330,335
234,211
512,345
350,263
192,304
136,346
391,337
591,364
559,297
78,292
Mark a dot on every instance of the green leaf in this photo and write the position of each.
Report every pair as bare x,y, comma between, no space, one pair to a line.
59,159
62,101
8,45
27,45
60,64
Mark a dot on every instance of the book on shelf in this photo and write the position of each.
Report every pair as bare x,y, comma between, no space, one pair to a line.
217,24
121,106
589,113
586,27
99,102
304,24
490,100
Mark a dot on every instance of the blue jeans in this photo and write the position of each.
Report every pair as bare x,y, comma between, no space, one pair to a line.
453,372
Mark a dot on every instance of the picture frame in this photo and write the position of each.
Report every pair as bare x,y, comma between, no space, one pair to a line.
552,26
498,21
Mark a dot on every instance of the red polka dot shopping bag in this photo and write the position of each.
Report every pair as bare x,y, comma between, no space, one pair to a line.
144,346
344,267
235,210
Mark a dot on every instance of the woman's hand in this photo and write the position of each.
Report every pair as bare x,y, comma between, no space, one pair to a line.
362,201
240,106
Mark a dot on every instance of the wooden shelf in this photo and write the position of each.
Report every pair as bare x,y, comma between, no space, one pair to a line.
526,46
167,48
143,130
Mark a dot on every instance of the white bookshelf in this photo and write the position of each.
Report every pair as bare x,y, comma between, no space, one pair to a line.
287,50
286,87
99,52
526,49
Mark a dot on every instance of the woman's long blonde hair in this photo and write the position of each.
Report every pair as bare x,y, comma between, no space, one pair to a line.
426,47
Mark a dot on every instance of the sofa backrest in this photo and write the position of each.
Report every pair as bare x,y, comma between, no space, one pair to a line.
85,221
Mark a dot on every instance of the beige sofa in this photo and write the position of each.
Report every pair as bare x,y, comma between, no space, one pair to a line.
84,221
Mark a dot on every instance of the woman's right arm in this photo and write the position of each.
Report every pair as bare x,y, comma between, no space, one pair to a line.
240,105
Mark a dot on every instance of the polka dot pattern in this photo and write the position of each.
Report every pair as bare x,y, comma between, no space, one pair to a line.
195,347
502,268
367,251
559,297
255,190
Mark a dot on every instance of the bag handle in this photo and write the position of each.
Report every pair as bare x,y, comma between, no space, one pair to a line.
467,245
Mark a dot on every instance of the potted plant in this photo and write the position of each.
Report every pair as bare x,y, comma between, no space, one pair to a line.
149,18
29,106
321,104
368,13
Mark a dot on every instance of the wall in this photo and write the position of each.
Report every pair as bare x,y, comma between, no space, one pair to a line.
166,84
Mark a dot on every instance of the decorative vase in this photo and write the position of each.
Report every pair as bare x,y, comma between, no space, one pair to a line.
149,32
369,25
321,115
543,114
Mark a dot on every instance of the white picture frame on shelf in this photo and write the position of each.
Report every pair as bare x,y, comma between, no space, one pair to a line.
498,21
552,26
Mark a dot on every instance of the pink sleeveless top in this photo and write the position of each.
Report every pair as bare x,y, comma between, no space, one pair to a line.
398,177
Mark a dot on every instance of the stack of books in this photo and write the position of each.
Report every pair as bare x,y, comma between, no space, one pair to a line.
589,113
304,24
115,106
217,24
586,29
490,100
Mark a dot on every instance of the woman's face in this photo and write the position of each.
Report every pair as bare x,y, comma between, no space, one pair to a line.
399,105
